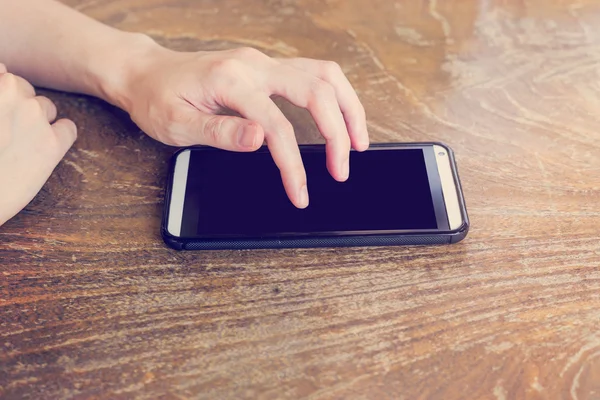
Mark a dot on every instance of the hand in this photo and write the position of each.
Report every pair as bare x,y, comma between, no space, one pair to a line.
174,97
30,148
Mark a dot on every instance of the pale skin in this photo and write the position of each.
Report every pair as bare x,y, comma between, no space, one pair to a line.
174,97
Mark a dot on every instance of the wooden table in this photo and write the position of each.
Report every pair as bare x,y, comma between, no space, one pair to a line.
93,305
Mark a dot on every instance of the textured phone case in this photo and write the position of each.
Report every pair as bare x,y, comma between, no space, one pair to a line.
347,241
435,238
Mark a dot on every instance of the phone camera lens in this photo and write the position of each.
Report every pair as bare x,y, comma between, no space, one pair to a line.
441,154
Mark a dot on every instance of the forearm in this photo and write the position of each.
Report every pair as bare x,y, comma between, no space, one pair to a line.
56,47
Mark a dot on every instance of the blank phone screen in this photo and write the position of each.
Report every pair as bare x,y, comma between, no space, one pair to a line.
241,194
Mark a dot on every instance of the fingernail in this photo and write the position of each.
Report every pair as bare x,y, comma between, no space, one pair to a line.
364,142
246,137
304,197
346,169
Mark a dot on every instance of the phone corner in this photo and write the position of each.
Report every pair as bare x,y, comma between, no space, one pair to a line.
171,241
179,151
444,146
460,233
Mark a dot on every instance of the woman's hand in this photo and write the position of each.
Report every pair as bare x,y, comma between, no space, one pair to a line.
176,97
30,146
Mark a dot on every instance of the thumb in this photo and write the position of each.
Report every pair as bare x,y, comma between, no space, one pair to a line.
230,133
3,69
66,133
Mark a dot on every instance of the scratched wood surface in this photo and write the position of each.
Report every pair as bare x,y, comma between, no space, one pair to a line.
92,304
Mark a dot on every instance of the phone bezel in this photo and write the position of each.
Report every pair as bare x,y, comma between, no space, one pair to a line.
178,182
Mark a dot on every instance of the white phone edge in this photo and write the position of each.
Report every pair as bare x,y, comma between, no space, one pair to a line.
182,164
449,189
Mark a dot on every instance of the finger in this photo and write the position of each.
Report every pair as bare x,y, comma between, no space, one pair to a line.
16,85
224,132
25,88
354,112
280,138
66,133
48,106
307,91
3,69
232,133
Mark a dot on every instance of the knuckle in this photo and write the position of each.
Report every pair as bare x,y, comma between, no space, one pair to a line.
175,115
47,104
212,129
46,100
284,128
8,81
171,115
26,87
248,53
330,69
321,90
226,66
9,78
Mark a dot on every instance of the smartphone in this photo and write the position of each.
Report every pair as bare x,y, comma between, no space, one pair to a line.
397,194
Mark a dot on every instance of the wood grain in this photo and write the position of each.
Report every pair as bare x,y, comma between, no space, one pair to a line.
93,305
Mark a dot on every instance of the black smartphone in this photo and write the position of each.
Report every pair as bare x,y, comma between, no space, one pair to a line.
397,194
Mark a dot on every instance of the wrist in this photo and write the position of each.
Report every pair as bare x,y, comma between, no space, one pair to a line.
116,69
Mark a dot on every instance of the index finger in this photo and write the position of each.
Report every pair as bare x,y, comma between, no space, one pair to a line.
279,134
